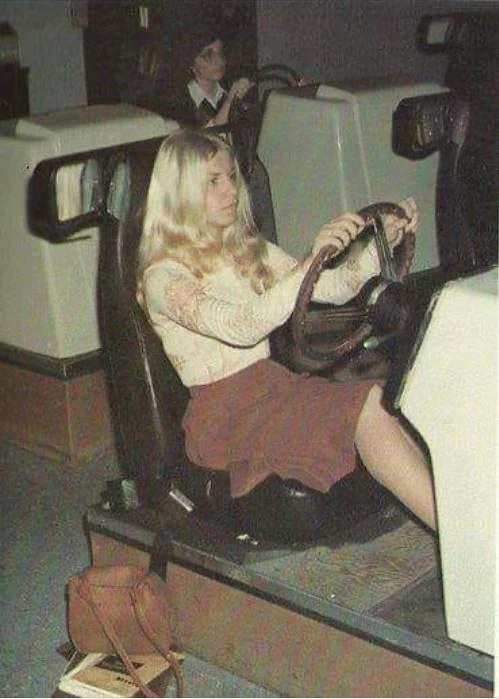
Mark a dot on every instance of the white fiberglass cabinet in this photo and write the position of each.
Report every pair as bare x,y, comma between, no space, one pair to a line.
47,290
450,396
332,152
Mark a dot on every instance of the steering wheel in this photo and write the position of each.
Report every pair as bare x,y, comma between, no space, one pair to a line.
245,116
322,337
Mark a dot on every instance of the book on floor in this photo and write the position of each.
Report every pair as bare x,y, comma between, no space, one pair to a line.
101,675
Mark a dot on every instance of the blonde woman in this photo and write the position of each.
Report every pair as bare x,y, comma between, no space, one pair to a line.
213,290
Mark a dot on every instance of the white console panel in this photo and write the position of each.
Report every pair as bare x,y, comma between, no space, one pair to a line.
47,290
333,153
450,396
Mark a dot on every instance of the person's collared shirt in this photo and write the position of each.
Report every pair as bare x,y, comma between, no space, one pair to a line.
198,95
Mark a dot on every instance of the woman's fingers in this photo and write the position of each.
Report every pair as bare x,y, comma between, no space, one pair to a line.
344,229
411,208
396,226
340,231
241,87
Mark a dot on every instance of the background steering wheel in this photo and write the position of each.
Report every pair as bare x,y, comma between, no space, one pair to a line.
245,116
323,336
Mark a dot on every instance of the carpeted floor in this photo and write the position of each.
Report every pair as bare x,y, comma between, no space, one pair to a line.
42,544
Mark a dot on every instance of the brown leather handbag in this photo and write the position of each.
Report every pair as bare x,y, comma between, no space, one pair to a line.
123,610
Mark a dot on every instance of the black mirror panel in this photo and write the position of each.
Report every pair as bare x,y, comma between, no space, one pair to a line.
71,193
459,31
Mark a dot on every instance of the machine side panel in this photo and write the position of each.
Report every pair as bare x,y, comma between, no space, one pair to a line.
450,396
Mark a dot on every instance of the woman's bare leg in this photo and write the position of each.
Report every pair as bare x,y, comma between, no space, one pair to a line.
394,459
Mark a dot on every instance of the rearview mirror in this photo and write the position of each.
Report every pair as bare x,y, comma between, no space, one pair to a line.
65,196
434,34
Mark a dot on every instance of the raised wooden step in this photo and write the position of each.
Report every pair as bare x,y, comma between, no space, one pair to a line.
65,419
244,607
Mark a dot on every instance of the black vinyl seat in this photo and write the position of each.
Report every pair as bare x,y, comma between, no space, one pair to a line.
148,401
462,125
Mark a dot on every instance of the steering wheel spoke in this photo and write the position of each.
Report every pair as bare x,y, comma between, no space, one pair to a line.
316,322
385,259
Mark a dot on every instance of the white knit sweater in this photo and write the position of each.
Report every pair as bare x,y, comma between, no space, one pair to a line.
215,326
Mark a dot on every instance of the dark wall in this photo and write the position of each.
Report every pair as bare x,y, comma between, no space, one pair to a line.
331,41
51,49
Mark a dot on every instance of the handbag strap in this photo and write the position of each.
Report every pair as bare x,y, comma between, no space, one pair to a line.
151,635
118,646
161,552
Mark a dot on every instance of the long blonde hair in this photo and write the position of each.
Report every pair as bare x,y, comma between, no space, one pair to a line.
175,224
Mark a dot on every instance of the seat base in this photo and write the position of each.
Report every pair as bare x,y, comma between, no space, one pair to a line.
283,510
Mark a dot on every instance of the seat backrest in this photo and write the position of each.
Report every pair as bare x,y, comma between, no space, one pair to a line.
148,402
464,133
147,398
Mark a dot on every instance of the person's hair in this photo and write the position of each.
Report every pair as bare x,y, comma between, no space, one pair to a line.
175,225
211,23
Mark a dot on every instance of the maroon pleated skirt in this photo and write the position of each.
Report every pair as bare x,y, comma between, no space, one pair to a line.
267,419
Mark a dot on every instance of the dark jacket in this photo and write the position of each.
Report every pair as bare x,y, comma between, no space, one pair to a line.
180,106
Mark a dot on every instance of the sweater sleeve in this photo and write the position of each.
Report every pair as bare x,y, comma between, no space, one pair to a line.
237,315
242,318
344,282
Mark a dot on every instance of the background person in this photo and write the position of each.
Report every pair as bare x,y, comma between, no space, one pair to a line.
204,98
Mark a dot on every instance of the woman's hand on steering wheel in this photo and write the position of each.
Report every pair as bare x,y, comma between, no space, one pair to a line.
240,88
236,94
342,230
395,226
339,232
322,337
